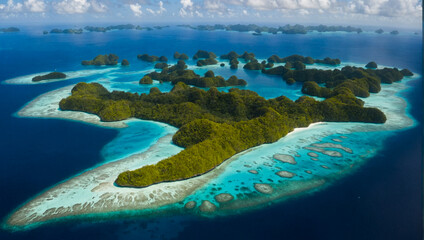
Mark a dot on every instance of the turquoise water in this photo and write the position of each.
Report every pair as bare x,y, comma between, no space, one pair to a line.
48,151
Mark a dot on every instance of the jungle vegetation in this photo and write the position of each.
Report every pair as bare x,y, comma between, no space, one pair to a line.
178,73
213,125
101,60
49,76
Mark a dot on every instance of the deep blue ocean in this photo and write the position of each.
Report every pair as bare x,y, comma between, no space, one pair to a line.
382,200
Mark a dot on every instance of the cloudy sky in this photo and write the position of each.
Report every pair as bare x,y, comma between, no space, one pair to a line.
401,13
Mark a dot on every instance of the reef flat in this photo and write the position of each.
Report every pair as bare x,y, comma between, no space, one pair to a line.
93,191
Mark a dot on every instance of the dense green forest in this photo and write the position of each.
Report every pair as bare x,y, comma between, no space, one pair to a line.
49,76
214,125
179,73
101,60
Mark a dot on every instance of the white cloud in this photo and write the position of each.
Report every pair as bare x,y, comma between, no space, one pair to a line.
161,7
183,13
35,5
11,7
199,14
186,3
159,11
98,6
136,9
186,9
388,8
72,6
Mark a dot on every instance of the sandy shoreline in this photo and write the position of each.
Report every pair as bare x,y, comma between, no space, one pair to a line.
93,191
47,106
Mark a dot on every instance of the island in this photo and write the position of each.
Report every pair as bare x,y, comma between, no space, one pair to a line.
121,27
181,56
178,73
215,125
357,81
287,29
67,31
151,58
394,32
9,29
233,57
49,76
125,62
379,31
306,60
146,80
371,65
101,60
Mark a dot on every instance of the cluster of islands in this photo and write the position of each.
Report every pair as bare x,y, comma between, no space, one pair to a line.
208,129
215,125
255,29
286,29
102,29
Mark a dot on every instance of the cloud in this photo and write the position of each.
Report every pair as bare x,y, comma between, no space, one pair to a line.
35,5
186,3
388,8
11,7
159,11
98,6
183,13
199,14
72,6
405,10
161,7
186,9
136,9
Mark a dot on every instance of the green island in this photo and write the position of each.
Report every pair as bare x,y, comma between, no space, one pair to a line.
100,60
9,29
179,73
306,60
49,76
205,58
286,29
181,56
66,31
379,31
371,65
121,27
151,58
214,125
125,62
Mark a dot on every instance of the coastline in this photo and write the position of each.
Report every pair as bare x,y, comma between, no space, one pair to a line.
47,106
93,191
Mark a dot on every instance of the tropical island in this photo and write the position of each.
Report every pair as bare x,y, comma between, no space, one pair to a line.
379,31
95,29
151,58
179,73
49,76
214,125
9,29
121,27
66,31
100,60
286,29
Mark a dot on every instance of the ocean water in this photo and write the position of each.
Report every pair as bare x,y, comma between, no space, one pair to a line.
380,200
